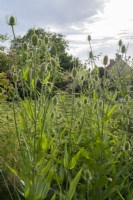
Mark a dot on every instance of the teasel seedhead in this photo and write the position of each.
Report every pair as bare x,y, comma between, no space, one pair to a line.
123,49
105,60
13,69
12,21
25,46
55,101
127,146
82,77
52,115
11,93
85,101
128,111
34,39
43,67
89,38
74,72
53,62
15,78
79,104
46,39
90,55
120,43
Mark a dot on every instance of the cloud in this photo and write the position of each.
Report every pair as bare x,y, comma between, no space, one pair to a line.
75,19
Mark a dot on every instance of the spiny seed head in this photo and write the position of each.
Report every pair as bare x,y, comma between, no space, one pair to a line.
43,67
120,43
11,93
34,39
127,98
128,111
15,78
52,115
105,60
53,62
127,146
46,39
85,101
123,49
90,55
29,63
89,38
96,78
74,72
79,122
25,46
82,77
55,101
12,21
13,69
79,104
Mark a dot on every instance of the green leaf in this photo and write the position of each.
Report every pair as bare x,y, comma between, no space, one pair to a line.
85,154
95,96
74,160
46,79
32,83
53,197
12,170
109,114
73,185
25,74
41,146
66,157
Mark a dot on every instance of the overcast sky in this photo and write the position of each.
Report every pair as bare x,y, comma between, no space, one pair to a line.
106,21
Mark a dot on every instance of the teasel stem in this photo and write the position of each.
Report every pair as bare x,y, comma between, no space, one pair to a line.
35,116
92,55
13,32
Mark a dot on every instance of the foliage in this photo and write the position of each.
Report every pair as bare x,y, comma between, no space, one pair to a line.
57,46
71,147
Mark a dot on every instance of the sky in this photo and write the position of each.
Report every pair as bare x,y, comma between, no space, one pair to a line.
107,21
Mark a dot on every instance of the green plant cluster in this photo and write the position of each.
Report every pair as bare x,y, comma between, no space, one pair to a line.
69,146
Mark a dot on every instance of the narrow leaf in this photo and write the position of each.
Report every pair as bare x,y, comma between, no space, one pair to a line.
73,185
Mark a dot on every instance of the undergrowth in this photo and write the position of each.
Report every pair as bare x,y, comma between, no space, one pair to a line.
69,146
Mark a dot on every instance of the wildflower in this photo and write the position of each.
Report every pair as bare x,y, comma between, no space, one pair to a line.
85,101
74,72
34,39
55,101
46,40
120,43
89,38
12,21
25,46
127,146
123,49
105,60
53,62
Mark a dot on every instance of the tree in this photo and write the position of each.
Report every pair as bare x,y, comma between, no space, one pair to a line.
57,46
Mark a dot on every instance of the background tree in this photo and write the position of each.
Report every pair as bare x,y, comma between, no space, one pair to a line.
58,46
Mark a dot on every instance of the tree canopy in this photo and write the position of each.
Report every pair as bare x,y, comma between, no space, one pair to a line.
57,46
